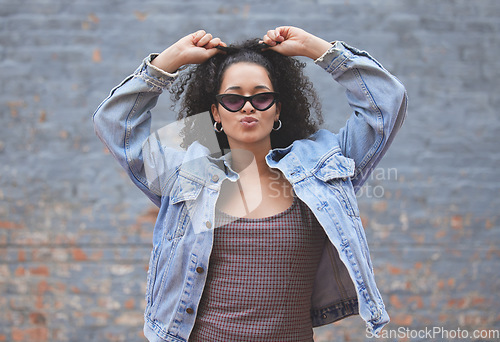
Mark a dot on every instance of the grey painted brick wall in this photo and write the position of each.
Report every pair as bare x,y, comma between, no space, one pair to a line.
75,234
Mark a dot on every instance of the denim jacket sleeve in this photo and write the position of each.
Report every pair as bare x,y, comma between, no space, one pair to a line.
378,101
123,120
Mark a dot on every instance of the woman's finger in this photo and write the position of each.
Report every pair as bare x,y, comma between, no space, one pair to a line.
266,39
204,40
272,42
197,36
274,37
281,34
213,43
271,34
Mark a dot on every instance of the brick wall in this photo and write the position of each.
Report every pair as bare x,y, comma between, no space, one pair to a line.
75,234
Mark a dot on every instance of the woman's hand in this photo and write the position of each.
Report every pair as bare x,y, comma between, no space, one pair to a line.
194,48
293,41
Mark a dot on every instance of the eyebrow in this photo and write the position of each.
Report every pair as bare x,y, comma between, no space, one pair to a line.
256,87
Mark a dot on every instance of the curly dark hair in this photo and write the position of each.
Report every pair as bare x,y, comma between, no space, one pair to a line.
198,86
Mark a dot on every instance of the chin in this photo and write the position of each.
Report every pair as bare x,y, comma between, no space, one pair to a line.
251,140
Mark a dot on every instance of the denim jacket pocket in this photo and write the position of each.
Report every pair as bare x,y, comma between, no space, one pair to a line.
183,194
185,189
335,171
334,166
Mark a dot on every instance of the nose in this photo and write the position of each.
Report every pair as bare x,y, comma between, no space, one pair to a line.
247,107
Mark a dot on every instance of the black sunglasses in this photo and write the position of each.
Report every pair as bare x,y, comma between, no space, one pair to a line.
260,101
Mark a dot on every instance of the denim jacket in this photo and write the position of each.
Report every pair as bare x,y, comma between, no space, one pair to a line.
324,170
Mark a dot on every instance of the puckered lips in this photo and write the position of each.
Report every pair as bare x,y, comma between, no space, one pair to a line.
249,121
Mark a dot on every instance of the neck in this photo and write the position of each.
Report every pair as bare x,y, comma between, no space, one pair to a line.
243,157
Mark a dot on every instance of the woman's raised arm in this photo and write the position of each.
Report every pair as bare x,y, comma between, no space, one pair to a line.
377,98
293,41
123,119
194,48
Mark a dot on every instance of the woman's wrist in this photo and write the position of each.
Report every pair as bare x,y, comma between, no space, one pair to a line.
168,60
316,47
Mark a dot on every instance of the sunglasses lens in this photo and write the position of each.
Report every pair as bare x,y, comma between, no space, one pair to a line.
262,101
233,102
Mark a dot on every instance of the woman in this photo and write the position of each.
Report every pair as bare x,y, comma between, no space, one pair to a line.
265,242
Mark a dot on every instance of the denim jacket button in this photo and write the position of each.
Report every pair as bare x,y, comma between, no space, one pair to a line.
190,311
199,269
215,178
208,224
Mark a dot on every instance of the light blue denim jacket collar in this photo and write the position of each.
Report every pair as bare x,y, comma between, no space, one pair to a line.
295,164
297,161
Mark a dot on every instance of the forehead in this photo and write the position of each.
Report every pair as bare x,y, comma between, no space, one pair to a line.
244,74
